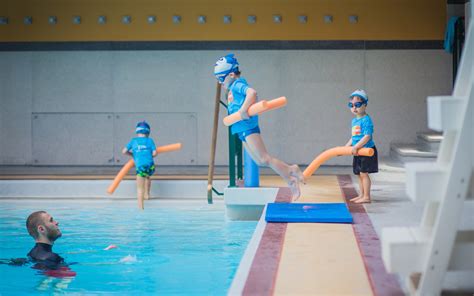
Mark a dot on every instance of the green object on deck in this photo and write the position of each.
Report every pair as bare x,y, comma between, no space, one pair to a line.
217,192
238,151
231,160
235,154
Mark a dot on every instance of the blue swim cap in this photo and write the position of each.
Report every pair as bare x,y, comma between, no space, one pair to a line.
361,94
224,66
142,128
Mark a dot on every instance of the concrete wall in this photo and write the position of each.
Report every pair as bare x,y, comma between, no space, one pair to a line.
80,107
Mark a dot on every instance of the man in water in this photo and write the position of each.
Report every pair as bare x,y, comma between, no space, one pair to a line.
44,229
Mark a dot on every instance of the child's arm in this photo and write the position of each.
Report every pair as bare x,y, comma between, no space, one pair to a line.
154,153
126,152
250,98
360,144
349,143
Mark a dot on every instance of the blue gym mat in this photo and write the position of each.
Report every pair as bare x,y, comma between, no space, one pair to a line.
308,212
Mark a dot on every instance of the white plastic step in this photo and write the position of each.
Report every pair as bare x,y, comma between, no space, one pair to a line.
412,150
404,249
411,153
444,113
425,181
454,283
434,137
429,140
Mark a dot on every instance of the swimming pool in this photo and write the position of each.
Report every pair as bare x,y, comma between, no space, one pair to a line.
172,248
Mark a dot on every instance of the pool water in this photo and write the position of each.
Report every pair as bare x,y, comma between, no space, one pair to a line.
185,248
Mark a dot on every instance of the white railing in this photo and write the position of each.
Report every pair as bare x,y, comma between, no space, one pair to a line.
443,244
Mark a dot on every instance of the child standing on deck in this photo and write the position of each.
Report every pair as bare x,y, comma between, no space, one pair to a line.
143,149
239,98
362,130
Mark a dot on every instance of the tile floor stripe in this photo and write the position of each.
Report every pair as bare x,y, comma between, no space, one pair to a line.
381,281
263,272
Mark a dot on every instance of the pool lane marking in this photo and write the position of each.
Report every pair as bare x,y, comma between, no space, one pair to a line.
382,283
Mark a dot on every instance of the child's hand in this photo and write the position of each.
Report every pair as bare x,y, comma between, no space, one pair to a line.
244,114
355,151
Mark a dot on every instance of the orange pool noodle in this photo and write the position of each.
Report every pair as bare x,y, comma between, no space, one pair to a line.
257,108
254,109
276,103
124,171
169,148
330,153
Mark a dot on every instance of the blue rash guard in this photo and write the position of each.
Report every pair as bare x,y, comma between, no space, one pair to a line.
361,127
236,97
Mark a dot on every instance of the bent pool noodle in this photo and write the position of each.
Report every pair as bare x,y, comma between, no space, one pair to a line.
124,171
330,153
257,108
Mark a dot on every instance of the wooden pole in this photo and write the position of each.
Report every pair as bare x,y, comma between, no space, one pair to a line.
210,174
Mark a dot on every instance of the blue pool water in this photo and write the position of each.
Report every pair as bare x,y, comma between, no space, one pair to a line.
170,249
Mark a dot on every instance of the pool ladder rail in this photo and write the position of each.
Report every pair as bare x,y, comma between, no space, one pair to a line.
235,152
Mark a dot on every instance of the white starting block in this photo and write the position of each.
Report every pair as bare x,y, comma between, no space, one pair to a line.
247,203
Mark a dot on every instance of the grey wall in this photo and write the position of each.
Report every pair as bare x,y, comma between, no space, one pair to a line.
80,108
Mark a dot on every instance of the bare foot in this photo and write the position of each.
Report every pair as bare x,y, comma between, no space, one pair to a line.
297,173
363,200
295,188
356,198
146,197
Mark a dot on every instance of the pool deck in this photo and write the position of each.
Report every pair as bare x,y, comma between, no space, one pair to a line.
317,258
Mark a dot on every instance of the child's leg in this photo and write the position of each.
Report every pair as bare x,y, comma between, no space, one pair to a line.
366,183
140,191
291,174
147,187
256,148
361,189
294,169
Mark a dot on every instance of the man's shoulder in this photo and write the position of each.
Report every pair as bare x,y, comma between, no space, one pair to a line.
53,257
37,254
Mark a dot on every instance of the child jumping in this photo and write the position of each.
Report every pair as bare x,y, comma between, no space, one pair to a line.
239,98
143,149
362,130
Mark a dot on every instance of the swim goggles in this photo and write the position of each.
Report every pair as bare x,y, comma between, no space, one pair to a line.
356,104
